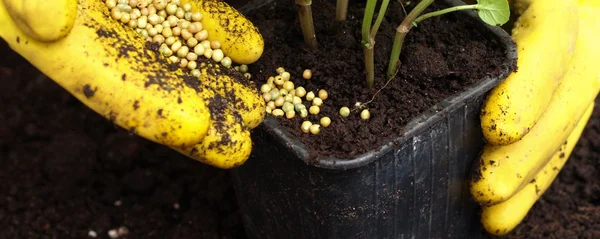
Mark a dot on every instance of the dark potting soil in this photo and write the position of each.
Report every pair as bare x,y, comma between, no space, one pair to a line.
64,168
441,57
67,172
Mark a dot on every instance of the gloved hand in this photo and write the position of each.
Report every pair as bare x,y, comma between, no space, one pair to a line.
205,114
533,120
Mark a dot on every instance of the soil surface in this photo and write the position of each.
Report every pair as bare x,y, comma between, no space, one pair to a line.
441,57
66,172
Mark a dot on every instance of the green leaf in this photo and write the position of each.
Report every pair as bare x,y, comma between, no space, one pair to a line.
493,12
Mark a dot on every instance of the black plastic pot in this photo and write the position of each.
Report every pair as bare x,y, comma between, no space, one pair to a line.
414,187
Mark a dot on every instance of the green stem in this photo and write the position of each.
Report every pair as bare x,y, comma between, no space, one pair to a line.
368,37
401,32
369,65
447,10
369,48
306,22
367,20
341,10
382,10
368,42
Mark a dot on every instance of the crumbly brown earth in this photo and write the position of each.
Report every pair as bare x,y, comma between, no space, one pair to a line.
63,168
66,171
442,57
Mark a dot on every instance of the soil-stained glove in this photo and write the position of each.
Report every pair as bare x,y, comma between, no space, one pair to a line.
116,72
533,120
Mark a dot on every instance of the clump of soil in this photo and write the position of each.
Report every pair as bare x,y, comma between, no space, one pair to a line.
441,57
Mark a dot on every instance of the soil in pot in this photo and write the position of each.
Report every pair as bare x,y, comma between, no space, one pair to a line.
441,57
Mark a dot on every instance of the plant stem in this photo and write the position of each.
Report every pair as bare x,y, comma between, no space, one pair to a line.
367,20
401,32
382,10
341,10
368,42
444,11
369,65
368,37
306,22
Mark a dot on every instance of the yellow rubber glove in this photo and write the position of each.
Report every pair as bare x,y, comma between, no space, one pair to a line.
533,120
113,70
